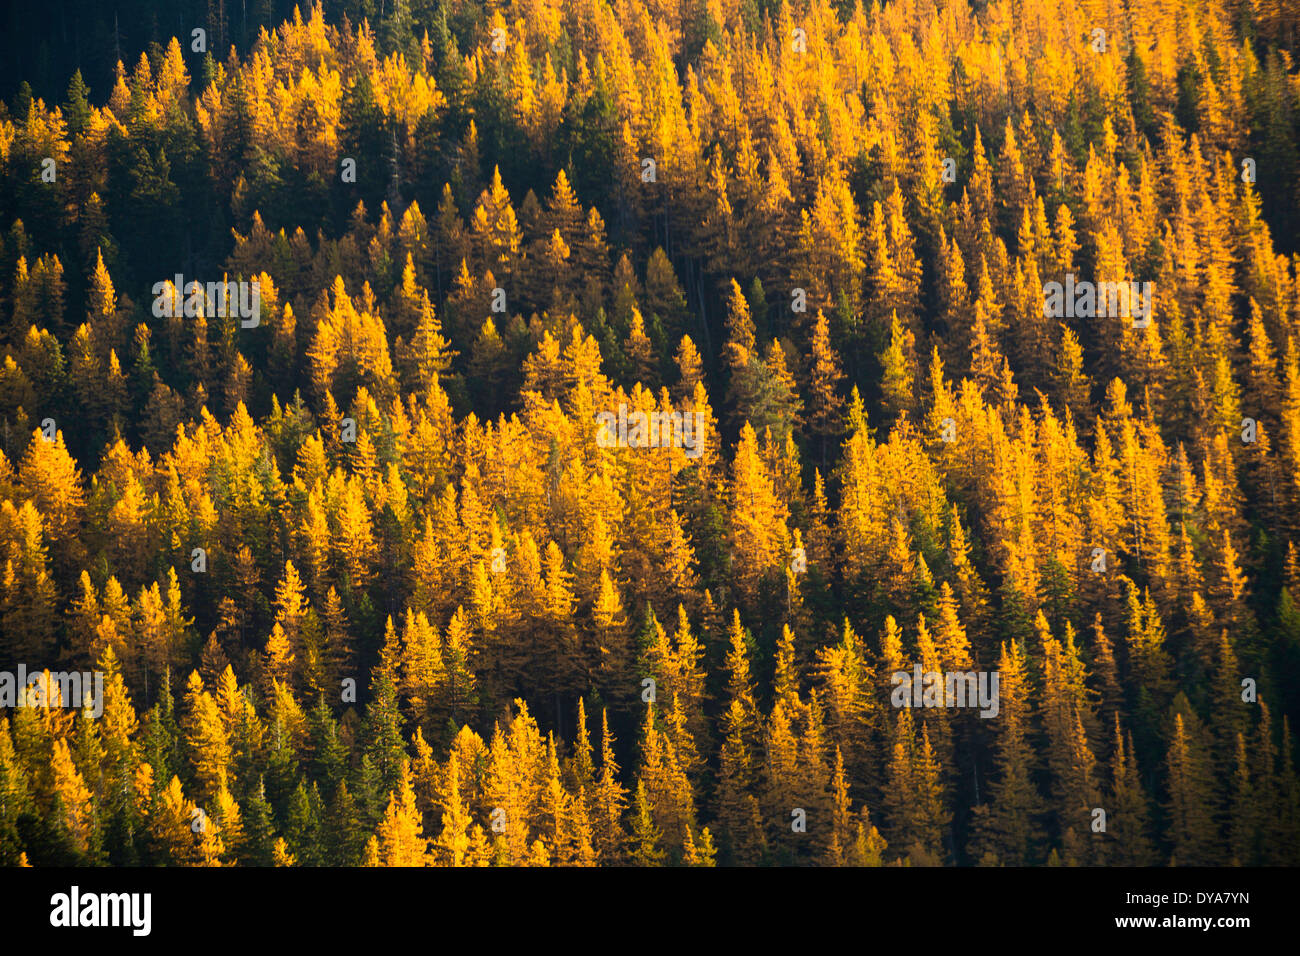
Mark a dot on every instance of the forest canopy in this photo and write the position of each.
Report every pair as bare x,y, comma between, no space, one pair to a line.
392,576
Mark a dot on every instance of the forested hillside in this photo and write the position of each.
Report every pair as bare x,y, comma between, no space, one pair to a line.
369,582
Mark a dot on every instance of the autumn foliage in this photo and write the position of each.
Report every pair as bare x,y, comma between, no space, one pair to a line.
440,623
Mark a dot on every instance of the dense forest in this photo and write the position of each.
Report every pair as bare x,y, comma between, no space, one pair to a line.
369,583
